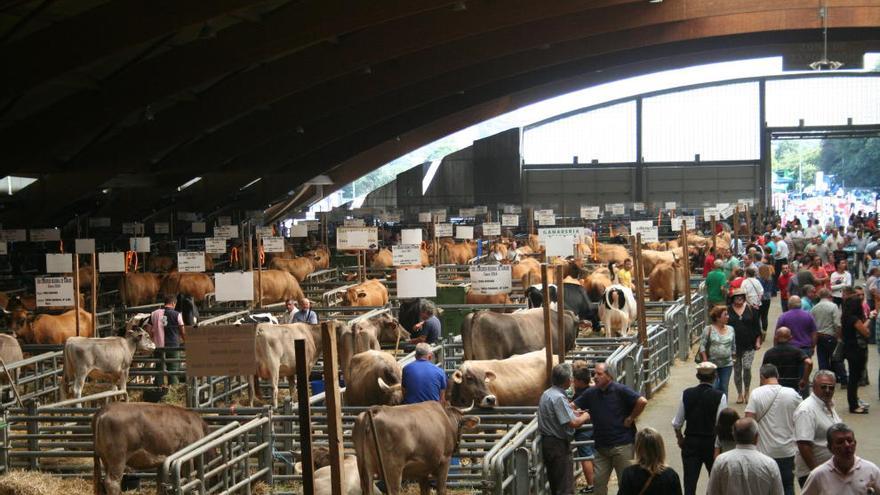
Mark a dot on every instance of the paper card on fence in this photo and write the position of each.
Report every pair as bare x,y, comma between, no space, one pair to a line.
84,246
417,282
234,286
111,262
221,350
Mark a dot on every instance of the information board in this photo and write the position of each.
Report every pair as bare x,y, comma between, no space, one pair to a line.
161,228
224,221
481,210
416,282
59,263
491,229
425,217
646,228
191,261
265,231
545,217
353,222
273,244
464,232
199,228
438,216
13,235
411,236
99,222
490,279
727,212
590,212
215,245
54,291
669,205
509,220
111,262
443,230
299,230
84,246
133,228
353,238
691,223
560,241
226,231
638,206
467,212
4,249
708,213
407,254
512,209
221,350
44,235
234,286
139,244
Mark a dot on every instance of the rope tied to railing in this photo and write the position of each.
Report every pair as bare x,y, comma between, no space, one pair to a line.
131,257
262,255
233,255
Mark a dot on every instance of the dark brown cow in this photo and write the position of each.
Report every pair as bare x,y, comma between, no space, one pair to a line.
139,436
49,329
161,264
278,286
374,380
417,441
516,381
137,289
489,335
298,267
197,285
370,293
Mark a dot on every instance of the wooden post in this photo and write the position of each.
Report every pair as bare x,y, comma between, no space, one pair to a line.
94,296
687,264
76,289
712,226
749,223
305,416
636,245
596,244
531,224
560,313
333,401
362,266
250,253
548,331
259,271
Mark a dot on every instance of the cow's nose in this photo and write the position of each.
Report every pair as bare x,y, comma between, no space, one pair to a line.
488,401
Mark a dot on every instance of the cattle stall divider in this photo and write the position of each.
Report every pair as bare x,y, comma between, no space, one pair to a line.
35,378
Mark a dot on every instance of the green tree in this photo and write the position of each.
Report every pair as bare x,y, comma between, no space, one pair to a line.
853,162
796,160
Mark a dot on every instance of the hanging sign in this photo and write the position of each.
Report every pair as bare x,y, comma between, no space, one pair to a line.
618,209
560,241
509,220
481,210
491,229
590,212
490,280
223,221
43,235
234,286
299,230
4,250
13,235
638,206
133,228
411,236
111,262
161,228
708,213
221,350
646,228
199,228
265,231
139,244
191,261
669,205
691,223
416,282
226,231
512,209
84,246
443,230
467,212
464,232
438,216
353,238
406,254
54,291
215,245
59,263
273,244
545,217
353,222
425,217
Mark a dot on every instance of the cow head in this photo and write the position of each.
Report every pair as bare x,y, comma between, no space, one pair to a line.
141,339
21,323
390,330
393,393
470,385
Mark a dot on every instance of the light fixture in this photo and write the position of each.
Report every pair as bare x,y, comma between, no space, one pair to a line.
249,184
824,63
459,7
320,180
188,183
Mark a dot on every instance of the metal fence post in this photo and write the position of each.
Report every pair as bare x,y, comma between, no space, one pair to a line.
4,442
33,427
287,429
268,439
521,471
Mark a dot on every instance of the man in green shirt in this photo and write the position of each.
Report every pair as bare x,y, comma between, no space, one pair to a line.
715,283
731,263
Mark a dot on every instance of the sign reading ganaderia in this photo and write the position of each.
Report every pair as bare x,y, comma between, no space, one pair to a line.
560,241
351,238
54,291
490,279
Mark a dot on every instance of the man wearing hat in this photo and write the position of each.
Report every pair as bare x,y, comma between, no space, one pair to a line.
699,408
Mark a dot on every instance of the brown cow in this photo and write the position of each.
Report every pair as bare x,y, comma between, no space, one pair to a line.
382,259
197,285
139,436
516,381
298,267
666,281
137,289
384,328
49,329
370,293
320,257
473,298
488,335
612,252
534,243
276,358
526,269
85,277
596,282
161,264
410,450
375,379
10,350
457,254
278,286
652,258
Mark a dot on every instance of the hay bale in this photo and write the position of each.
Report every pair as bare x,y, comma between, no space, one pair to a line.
18,482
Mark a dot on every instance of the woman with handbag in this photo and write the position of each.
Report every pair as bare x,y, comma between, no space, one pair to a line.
854,332
718,345
746,323
649,475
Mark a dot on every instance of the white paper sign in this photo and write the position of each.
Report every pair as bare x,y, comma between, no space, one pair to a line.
492,228
590,212
134,228
226,231
13,235
509,220
464,232
99,222
727,212
691,223
481,210
3,248
354,222
411,236
746,201
545,217
638,206
490,279
234,286
438,216
84,246
161,228
199,228
512,209
191,261
425,217
560,241
312,225
139,244
618,209
416,282
646,228
111,262
215,245
299,230
59,263
350,238
407,254
273,244
224,221
186,216
443,230
669,205
43,235
265,231
467,212
708,213
54,291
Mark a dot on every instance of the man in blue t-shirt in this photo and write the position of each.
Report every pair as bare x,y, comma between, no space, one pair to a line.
422,379
428,328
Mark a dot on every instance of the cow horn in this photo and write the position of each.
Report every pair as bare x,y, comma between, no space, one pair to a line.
385,387
466,409
456,376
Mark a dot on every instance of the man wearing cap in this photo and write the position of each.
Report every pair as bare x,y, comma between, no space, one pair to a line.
699,408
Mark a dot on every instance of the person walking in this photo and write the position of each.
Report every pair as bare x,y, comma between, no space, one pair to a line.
745,321
772,406
854,332
780,257
556,424
744,470
845,473
860,243
812,418
167,331
802,325
827,316
724,440
793,364
718,345
839,279
715,282
581,378
766,275
613,408
782,282
649,475
699,409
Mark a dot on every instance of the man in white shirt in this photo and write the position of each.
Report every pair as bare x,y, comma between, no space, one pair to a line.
845,473
744,470
781,256
811,422
772,406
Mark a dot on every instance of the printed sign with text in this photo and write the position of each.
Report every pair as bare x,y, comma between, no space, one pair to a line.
215,245
489,280
84,246
509,220
406,254
161,228
139,244
691,223
646,228
425,217
44,235
354,238
111,262
226,231
54,291
273,244
590,212
491,229
191,261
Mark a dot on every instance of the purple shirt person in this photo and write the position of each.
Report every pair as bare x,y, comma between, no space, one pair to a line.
802,325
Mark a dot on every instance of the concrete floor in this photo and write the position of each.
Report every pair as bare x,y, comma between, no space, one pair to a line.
662,406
